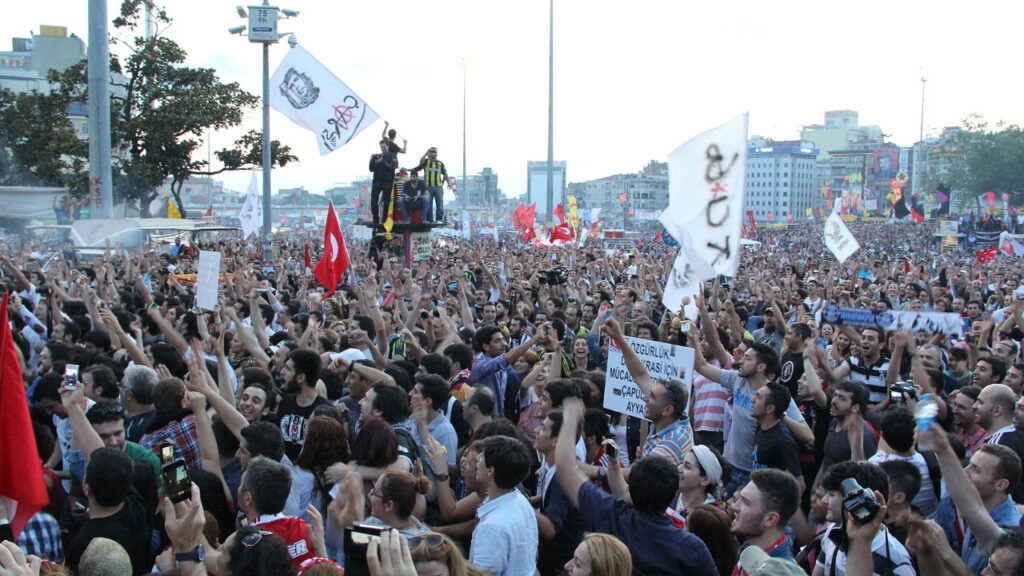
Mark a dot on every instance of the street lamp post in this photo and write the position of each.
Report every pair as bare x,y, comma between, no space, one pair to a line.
262,29
463,190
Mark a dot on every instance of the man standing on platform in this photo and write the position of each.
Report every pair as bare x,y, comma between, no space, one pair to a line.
383,167
435,176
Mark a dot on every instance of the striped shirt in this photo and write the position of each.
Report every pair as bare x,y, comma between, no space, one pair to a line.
710,401
434,173
871,376
672,442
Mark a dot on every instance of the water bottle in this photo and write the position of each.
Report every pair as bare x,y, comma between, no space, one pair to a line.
925,413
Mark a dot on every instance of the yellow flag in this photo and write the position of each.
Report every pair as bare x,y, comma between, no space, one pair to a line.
389,223
172,210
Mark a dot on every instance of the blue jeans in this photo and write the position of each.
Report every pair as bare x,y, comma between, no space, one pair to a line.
435,194
411,204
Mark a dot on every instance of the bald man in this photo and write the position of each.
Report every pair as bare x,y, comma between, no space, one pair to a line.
995,407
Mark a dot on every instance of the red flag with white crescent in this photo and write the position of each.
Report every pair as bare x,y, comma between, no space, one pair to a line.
333,263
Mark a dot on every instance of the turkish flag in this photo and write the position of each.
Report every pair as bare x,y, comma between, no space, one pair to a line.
335,259
305,257
986,256
560,213
527,235
561,234
21,472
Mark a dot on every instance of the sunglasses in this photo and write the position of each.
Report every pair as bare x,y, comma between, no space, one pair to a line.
431,538
107,409
253,539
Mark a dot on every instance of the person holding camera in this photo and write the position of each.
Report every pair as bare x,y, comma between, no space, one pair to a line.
851,489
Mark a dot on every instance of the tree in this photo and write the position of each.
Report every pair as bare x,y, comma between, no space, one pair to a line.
978,158
160,111
38,144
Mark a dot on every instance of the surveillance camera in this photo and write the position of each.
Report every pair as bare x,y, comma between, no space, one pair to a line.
241,11
289,13
292,41
237,30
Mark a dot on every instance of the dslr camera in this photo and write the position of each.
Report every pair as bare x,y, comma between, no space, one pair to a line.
554,276
901,391
858,501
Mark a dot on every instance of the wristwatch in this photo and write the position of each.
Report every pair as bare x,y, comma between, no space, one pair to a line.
197,555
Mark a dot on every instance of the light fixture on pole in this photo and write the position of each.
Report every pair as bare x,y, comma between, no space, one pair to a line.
262,29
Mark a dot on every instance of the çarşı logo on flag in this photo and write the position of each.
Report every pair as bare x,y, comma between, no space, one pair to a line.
314,98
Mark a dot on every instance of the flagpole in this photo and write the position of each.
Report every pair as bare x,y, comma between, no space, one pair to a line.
551,112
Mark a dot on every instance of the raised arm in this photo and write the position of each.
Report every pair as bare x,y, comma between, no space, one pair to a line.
633,362
568,476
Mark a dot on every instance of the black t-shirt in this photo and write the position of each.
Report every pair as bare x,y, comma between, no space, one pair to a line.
837,444
790,371
293,422
1015,441
776,448
137,426
130,527
412,190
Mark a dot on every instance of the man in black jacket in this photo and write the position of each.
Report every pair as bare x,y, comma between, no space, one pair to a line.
383,167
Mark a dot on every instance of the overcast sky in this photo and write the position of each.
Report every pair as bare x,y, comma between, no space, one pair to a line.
633,80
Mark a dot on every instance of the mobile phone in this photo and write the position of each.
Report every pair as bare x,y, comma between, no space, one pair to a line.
612,451
166,453
453,287
71,376
176,481
357,539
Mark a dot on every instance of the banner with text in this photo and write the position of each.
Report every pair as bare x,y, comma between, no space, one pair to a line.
662,360
928,322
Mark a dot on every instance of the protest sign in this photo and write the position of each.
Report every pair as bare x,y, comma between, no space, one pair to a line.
419,246
662,360
208,279
928,322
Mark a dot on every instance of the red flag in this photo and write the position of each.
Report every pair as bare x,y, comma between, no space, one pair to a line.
209,211
531,216
519,216
657,237
561,234
560,213
906,266
21,472
753,224
527,234
306,257
335,259
914,215
986,256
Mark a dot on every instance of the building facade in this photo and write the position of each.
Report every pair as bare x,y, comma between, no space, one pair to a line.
537,187
782,180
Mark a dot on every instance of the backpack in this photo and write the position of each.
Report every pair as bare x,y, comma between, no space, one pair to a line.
408,447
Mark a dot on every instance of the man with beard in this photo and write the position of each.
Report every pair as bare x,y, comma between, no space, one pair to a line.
870,369
965,419
671,436
300,373
849,434
759,364
995,409
762,509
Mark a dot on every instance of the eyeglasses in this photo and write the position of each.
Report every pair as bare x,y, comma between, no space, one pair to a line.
253,539
431,538
373,492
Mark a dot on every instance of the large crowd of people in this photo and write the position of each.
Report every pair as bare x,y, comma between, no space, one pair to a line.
449,419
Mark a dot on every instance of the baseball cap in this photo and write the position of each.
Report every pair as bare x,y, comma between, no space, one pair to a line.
756,562
467,333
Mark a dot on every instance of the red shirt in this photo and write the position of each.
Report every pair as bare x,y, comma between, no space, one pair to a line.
293,531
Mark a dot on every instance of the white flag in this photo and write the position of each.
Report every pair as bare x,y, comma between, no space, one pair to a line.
467,228
685,279
308,93
705,211
839,239
251,214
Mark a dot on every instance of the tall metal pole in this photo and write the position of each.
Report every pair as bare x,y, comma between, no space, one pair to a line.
551,112
101,191
463,191
266,139
920,137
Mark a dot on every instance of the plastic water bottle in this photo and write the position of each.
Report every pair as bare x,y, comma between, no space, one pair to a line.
925,413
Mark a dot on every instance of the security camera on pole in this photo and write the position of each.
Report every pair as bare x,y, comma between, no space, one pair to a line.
263,29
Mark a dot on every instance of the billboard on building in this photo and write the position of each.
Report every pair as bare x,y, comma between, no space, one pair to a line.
885,162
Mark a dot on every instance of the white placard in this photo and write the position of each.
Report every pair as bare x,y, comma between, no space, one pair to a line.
208,279
419,246
662,360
